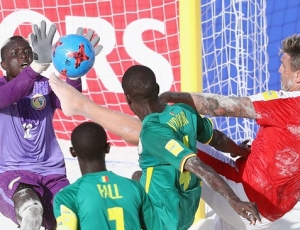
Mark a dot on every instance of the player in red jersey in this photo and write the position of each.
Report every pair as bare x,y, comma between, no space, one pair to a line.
270,174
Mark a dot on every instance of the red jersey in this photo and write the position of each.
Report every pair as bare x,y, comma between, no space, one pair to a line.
271,173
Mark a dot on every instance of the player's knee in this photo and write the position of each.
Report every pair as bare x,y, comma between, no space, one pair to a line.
29,210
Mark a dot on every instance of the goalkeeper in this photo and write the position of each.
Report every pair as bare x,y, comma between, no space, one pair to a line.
32,168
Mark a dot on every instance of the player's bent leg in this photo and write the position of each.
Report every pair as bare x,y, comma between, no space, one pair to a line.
208,153
28,207
10,182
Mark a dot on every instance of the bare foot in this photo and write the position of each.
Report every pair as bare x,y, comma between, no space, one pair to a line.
71,100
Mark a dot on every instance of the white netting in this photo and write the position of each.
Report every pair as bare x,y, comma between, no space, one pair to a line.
235,55
144,32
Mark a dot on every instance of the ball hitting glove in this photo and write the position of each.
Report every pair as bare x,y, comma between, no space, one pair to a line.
94,40
41,43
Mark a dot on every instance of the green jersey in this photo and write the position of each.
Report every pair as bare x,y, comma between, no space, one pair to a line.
104,200
167,140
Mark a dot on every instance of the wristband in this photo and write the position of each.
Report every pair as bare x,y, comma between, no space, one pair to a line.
39,67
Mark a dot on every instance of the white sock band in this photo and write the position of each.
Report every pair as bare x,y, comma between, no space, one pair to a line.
31,213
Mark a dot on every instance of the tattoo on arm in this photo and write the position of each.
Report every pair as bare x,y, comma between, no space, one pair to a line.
219,105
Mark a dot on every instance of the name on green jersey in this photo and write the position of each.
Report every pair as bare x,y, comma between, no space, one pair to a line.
110,191
178,121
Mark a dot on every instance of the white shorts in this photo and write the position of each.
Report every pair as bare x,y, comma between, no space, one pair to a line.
227,218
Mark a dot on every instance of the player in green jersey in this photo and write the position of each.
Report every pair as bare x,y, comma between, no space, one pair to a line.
141,92
171,171
101,199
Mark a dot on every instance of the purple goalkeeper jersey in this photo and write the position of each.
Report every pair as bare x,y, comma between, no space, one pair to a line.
27,138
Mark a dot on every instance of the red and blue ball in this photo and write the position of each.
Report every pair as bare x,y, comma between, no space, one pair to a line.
73,55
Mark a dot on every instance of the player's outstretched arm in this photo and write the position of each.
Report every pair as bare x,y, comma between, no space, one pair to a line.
247,210
213,104
75,103
225,144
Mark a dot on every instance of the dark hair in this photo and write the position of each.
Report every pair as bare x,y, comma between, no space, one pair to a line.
291,46
89,140
140,83
6,44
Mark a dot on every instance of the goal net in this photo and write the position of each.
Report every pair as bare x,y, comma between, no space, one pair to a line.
234,46
146,32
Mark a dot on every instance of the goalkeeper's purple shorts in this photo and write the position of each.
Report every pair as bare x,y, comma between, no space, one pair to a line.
45,186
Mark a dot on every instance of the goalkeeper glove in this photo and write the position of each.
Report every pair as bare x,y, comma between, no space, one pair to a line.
94,40
41,44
